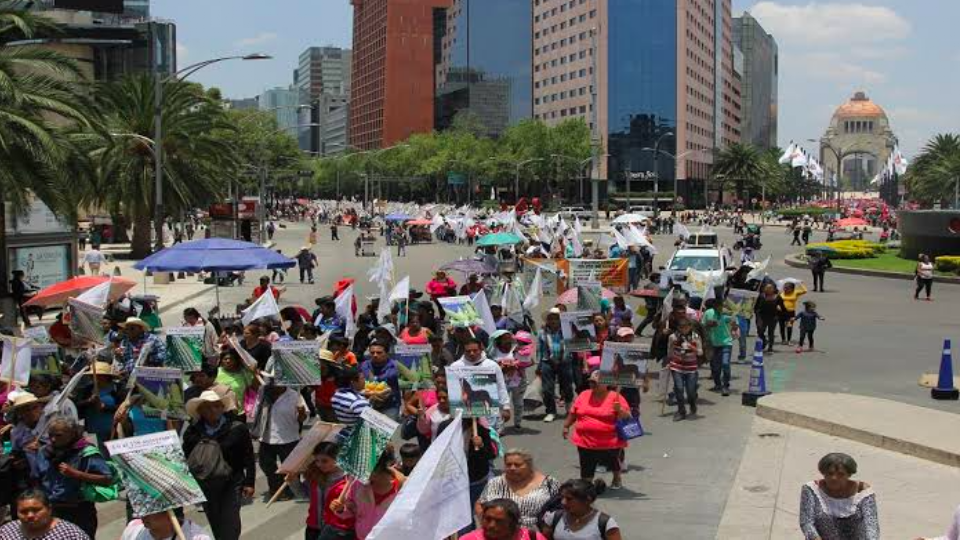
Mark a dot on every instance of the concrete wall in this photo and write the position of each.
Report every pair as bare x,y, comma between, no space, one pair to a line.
934,232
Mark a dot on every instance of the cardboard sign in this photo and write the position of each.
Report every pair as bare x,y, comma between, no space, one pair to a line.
461,311
473,390
623,364
185,347
295,363
578,331
160,391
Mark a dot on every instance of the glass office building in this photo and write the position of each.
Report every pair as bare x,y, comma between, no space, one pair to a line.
484,65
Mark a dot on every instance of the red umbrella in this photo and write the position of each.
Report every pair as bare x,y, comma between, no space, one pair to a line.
570,296
851,222
57,294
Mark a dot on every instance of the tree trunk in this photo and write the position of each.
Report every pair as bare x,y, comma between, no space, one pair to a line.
140,245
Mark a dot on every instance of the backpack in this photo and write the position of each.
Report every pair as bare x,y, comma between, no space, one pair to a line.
206,463
95,493
601,523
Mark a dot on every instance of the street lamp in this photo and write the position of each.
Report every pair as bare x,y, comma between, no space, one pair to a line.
580,166
158,126
656,176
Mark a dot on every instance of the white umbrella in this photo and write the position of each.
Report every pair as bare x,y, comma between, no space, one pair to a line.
630,218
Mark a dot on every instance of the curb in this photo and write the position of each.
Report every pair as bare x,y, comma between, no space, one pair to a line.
891,443
177,303
795,262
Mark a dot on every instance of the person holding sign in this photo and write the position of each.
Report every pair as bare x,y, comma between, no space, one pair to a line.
326,482
136,336
594,421
554,365
367,503
277,427
473,356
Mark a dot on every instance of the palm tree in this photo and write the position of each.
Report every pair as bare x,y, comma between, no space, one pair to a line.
39,94
742,164
197,164
935,173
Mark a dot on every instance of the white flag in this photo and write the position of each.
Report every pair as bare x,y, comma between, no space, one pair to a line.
483,309
434,502
681,230
344,304
15,366
436,223
577,226
383,271
535,294
622,242
759,270
265,307
97,296
401,291
787,156
799,158
384,307
575,244
899,162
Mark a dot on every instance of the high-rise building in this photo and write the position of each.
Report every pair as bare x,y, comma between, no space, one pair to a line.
761,65
485,66
283,103
664,81
393,79
323,70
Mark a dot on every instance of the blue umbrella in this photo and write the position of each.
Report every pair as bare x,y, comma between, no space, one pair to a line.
398,217
214,255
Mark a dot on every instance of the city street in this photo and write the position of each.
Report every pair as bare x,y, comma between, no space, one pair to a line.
876,341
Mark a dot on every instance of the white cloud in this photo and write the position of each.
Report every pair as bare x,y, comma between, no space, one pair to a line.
259,39
826,24
182,52
834,67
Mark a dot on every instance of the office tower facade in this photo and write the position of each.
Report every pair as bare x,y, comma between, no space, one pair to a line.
665,85
485,66
761,65
322,79
393,79
283,104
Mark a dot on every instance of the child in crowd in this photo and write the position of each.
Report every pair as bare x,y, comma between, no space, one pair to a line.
409,457
326,481
808,323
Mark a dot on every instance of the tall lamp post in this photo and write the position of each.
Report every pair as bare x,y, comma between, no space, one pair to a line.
159,81
657,151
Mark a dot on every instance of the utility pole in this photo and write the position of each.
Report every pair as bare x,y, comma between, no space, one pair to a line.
158,146
595,143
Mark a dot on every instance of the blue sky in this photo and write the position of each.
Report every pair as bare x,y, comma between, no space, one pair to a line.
905,55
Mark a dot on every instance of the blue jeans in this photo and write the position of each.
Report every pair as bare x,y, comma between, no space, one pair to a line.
720,365
685,386
550,375
744,323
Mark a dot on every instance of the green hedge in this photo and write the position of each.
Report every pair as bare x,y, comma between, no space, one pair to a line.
948,263
849,249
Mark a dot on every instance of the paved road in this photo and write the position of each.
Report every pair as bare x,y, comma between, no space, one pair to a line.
876,341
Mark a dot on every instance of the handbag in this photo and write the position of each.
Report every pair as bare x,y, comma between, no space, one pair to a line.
629,428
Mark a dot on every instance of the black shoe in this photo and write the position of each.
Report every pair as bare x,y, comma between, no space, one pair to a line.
725,392
693,409
680,415
715,388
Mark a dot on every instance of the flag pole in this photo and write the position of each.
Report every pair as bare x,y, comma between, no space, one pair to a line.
176,525
278,492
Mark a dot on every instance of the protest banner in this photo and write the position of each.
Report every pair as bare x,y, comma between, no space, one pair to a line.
612,273
85,322
623,364
361,451
549,274
473,390
15,363
578,331
45,360
185,347
413,363
160,391
37,333
155,473
461,311
295,363
434,502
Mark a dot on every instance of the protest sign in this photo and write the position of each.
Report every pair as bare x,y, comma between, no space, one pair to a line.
740,302
578,331
85,322
155,473
612,273
295,363
623,364
15,364
161,391
362,450
37,333
473,390
549,274
45,360
413,363
185,347
301,455
461,311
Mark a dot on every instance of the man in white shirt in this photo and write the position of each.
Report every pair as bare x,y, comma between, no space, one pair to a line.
277,426
473,356
94,259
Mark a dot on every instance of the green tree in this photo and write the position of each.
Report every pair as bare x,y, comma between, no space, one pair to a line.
198,164
933,175
259,144
740,164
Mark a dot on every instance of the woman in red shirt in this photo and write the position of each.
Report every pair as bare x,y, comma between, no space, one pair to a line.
594,418
326,482
414,333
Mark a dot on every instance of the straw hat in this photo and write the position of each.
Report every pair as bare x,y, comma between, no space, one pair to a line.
207,396
104,369
135,321
326,355
24,399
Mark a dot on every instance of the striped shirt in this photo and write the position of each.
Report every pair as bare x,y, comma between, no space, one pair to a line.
348,404
683,352
64,530
530,503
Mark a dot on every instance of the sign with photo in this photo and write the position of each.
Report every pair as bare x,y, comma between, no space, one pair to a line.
42,266
45,360
473,390
413,363
185,347
295,363
740,302
624,364
549,273
85,322
461,311
155,473
578,331
367,441
160,392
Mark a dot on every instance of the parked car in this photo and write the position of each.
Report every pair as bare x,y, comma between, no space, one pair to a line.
700,259
571,212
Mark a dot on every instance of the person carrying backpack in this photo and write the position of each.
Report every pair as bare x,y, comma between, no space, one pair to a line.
220,456
576,518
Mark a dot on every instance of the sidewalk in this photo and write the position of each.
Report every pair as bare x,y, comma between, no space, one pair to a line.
915,496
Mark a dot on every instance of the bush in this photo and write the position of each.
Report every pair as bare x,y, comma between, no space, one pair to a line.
850,249
948,263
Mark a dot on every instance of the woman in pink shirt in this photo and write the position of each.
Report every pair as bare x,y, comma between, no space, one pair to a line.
366,504
594,418
414,333
500,520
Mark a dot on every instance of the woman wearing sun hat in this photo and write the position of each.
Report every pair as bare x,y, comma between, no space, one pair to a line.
98,402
